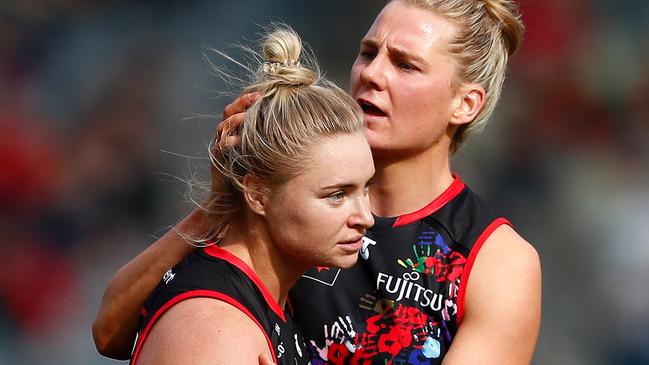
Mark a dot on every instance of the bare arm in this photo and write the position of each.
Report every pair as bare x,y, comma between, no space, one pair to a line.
117,322
203,331
502,305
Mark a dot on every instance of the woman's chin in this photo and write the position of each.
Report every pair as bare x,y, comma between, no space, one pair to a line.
346,261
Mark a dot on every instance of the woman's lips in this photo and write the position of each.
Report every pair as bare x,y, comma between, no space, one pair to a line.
351,245
371,111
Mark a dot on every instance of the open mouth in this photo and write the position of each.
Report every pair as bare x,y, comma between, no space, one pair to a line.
371,109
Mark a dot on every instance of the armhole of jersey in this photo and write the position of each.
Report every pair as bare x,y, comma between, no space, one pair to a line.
197,294
464,278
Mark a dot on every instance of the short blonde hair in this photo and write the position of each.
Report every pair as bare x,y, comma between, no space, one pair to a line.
489,32
297,107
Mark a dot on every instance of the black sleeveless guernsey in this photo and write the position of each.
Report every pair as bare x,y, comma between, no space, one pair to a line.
212,272
403,300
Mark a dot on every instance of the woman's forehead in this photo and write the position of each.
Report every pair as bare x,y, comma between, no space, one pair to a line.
409,28
339,160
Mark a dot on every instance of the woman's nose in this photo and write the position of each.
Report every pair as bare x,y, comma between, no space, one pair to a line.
362,216
373,74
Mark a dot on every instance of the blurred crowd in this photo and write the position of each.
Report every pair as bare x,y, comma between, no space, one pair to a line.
106,109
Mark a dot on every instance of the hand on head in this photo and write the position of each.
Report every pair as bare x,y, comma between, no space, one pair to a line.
227,131
233,117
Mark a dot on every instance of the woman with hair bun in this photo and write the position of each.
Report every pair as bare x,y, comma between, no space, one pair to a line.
442,278
293,194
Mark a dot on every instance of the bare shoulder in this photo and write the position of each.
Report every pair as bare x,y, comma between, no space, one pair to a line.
502,303
506,273
202,331
506,246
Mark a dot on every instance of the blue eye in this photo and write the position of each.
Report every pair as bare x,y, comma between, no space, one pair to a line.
337,197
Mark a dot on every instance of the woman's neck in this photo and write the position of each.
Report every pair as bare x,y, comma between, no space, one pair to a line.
252,245
405,185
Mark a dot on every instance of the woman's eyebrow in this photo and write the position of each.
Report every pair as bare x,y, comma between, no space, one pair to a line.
404,54
339,186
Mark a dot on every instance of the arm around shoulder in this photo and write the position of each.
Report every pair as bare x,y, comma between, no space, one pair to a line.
117,320
203,331
502,304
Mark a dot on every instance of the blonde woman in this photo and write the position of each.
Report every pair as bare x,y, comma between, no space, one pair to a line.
441,279
292,194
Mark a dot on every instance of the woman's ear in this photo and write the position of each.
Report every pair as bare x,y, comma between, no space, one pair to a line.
255,193
469,102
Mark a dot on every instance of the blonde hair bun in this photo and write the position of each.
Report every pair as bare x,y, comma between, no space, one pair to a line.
282,49
296,108
506,14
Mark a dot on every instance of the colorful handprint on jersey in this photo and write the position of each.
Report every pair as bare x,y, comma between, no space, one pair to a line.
394,334
408,323
433,256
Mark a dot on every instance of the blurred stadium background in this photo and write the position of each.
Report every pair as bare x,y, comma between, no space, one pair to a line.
97,106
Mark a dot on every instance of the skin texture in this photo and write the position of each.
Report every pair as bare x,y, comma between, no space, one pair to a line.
315,218
403,68
402,58
319,217
117,320
220,328
502,328
423,104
